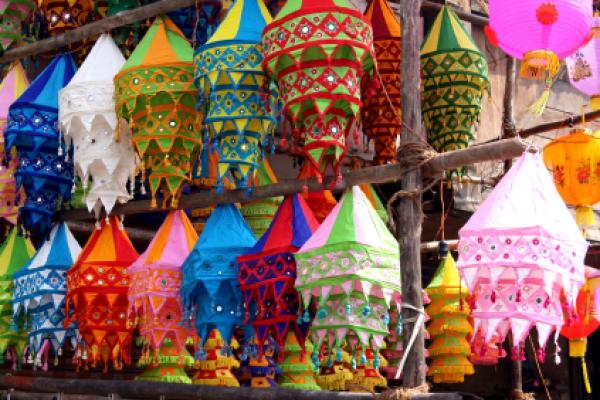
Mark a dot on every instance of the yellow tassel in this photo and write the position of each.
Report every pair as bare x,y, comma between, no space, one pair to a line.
584,216
586,378
537,63
539,106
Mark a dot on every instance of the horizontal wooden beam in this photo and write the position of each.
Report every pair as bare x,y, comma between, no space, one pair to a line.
502,150
137,234
154,390
432,247
94,28
555,125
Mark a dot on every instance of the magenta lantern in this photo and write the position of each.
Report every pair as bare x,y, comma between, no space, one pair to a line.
584,66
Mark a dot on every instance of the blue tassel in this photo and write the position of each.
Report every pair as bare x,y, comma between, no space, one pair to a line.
329,361
348,309
306,316
377,361
353,362
316,361
366,311
338,354
322,313
386,319
363,358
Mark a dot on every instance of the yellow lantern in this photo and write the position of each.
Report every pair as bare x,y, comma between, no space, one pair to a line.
574,160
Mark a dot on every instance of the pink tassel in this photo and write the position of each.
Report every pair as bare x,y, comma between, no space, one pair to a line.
43,354
515,353
492,297
518,299
541,355
522,353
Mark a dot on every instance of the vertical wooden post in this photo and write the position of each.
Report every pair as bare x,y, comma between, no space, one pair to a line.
509,128
409,209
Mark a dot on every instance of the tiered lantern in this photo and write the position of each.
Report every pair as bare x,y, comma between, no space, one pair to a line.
215,368
14,253
258,369
540,33
366,376
45,172
322,202
88,120
375,201
584,64
13,85
155,94
166,365
210,289
229,75
518,252
97,287
574,160
12,15
39,294
382,110
586,321
268,272
297,370
259,213
337,375
154,291
320,54
351,267
455,75
449,327
483,353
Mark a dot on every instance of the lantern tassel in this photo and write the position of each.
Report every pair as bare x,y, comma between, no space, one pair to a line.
584,216
539,106
586,378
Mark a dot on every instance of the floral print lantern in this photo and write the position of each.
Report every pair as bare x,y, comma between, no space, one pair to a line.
517,253
45,172
40,288
574,160
584,65
320,54
97,287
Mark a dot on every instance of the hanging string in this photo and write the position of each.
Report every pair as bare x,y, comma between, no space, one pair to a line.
537,364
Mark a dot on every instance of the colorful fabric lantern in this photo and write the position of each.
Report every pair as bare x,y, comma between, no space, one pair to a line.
259,213
44,171
210,289
155,281
208,14
39,294
449,327
382,120
88,119
320,54
574,160
375,201
394,348
127,36
156,95
12,15
297,370
258,368
63,15
167,365
585,322
230,78
518,252
12,86
14,253
97,287
351,267
268,272
455,75
584,64
483,353
215,368
322,202
366,377
540,33
339,374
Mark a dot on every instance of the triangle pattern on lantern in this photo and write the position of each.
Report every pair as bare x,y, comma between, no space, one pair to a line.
156,280
88,119
210,291
14,253
239,112
44,171
382,110
168,365
518,252
12,86
455,75
215,365
155,94
351,267
375,201
13,13
39,293
297,371
267,273
97,287
321,98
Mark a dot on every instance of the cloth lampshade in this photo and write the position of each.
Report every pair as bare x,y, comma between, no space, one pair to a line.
45,172
156,96
351,267
267,273
375,201
382,110
258,368
39,294
322,202
208,20
97,287
297,370
88,120
584,64
320,54
12,86
210,291
14,253
337,375
215,368
233,99
455,75
13,13
574,160
168,364
518,252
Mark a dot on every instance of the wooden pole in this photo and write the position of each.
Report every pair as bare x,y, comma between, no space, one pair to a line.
409,208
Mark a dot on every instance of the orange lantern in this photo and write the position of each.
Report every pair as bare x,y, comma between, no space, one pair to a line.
574,160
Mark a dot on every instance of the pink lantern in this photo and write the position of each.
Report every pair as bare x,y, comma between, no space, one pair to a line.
584,66
521,256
